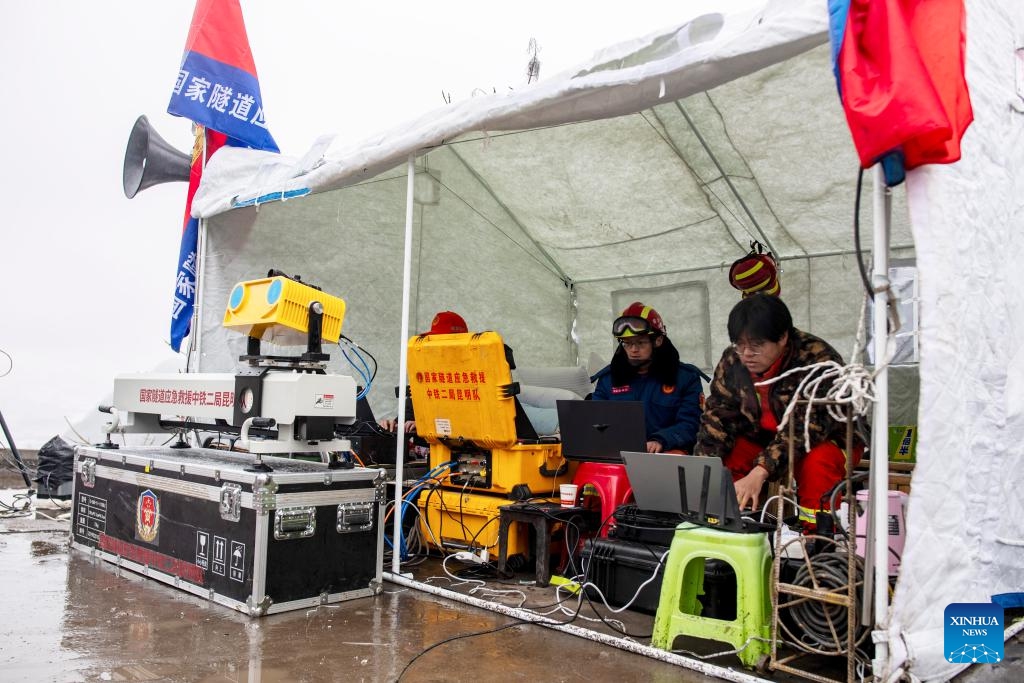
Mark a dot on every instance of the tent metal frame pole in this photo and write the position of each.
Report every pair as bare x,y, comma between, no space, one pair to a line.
879,486
512,216
726,178
573,314
403,367
706,185
720,266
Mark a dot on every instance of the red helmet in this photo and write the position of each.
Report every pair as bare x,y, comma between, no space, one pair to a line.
755,273
637,319
448,322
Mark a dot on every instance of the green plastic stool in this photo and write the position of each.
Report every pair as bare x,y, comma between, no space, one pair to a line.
679,610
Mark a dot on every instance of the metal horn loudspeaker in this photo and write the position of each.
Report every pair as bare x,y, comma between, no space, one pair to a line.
150,160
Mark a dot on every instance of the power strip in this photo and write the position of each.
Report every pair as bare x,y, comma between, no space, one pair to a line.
470,557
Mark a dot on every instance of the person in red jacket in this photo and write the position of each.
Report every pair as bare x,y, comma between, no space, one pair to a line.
740,420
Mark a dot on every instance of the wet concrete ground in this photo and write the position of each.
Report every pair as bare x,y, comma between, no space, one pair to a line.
68,617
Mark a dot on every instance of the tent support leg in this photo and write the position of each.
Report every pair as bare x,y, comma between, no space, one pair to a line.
879,484
396,535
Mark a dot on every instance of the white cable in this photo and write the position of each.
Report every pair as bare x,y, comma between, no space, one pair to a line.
64,517
860,341
632,646
81,438
723,653
416,527
829,381
576,614
498,593
796,508
434,578
426,523
458,581
654,575
621,625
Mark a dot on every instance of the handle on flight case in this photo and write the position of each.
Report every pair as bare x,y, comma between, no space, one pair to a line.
551,474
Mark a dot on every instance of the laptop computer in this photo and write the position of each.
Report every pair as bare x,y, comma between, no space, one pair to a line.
599,431
698,488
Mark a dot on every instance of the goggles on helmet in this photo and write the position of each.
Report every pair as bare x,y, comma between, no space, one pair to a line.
630,326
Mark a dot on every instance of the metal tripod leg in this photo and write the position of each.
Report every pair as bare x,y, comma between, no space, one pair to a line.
14,449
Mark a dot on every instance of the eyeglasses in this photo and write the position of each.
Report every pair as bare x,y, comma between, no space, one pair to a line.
628,325
637,343
752,348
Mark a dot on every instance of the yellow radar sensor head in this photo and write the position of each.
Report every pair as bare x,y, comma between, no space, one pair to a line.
276,310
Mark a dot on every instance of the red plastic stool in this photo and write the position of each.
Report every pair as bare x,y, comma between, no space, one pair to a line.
612,487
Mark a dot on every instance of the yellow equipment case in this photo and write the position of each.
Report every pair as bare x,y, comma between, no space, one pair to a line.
465,404
453,520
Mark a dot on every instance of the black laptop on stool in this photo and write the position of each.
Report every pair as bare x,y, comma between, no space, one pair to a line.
599,431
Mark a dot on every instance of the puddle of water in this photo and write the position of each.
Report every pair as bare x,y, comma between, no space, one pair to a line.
46,548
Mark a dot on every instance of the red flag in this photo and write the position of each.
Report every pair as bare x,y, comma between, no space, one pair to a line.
900,66
217,88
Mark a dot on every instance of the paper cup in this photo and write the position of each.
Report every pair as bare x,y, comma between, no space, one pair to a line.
568,495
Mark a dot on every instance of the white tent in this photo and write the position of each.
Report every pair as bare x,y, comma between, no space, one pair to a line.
641,175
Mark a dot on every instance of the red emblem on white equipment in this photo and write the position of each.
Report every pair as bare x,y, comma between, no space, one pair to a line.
147,516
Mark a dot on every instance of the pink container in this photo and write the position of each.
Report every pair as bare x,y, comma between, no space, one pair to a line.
897,526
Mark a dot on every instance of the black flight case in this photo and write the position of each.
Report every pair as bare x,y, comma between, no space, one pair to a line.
259,542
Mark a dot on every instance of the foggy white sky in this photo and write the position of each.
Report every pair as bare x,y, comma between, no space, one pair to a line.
87,274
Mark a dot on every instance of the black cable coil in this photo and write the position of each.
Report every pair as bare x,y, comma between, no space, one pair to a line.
818,626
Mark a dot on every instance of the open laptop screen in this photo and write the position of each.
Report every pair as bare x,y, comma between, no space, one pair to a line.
600,430
698,488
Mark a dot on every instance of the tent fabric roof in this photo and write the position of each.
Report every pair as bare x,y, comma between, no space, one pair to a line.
623,79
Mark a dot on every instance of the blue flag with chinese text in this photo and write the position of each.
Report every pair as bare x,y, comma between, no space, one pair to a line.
217,88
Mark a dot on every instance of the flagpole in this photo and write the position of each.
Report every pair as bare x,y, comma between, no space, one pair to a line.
197,308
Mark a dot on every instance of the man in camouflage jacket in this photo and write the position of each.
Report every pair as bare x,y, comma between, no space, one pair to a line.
740,420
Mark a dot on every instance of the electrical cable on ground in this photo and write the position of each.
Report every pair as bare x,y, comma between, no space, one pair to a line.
459,637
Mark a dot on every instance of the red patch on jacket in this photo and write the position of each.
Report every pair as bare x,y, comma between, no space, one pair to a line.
621,390
667,389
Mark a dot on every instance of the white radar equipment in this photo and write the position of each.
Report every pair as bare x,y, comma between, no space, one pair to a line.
276,405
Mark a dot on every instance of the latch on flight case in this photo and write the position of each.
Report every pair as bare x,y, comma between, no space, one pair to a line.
88,473
231,502
264,498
